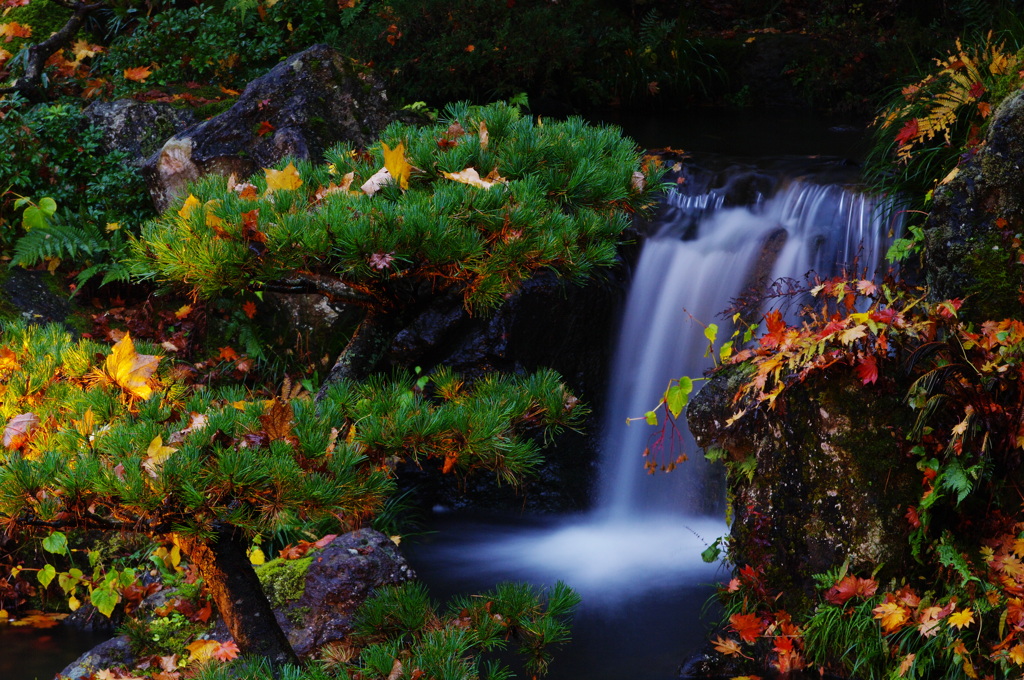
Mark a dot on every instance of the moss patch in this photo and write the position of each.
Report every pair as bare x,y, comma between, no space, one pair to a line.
284,581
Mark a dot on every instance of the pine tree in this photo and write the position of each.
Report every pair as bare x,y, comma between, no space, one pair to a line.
471,206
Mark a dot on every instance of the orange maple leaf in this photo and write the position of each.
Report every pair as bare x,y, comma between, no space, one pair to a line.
227,651
138,73
265,128
728,646
749,626
891,614
249,308
228,354
13,30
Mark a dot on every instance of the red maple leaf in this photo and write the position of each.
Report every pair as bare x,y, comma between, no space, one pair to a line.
849,587
749,626
908,132
867,369
249,308
977,89
265,128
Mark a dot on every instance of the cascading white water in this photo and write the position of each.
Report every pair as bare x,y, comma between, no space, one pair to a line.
682,285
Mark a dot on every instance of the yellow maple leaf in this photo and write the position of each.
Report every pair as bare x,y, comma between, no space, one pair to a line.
394,161
962,618
132,371
287,179
472,177
257,557
1017,654
156,454
191,203
891,615
4,55
82,50
202,650
851,334
1018,547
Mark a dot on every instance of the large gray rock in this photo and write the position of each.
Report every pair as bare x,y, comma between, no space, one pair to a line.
113,652
137,128
312,100
340,578
830,482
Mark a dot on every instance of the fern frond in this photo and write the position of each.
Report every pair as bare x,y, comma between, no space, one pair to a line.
59,240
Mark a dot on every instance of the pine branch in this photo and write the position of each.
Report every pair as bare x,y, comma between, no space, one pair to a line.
332,288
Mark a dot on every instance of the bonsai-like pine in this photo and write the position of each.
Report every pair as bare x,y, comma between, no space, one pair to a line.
470,207
106,439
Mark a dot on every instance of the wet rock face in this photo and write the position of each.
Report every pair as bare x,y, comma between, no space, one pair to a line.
312,100
829,482
974,219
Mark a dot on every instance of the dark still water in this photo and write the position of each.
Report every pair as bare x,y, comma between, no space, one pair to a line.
40,653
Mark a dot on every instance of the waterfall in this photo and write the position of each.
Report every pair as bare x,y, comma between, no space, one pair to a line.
702,257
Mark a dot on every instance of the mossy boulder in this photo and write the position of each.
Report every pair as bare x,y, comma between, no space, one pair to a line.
975,219
316,597
301,107
817,481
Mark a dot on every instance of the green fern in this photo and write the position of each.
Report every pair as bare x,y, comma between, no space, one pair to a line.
58,240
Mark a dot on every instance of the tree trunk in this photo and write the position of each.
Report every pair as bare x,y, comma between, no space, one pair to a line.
30,84
225,567
366,350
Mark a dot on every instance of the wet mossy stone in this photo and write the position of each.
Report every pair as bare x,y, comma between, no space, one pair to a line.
830,482
974,220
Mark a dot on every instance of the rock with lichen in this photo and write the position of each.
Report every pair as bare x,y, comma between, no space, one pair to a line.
815,482
975,218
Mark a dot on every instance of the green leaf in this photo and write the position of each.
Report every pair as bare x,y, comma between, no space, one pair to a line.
711,332
46,574
34,217
712,553
726,351
677,395
48,206
56,543
69,580
651,417
104,599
